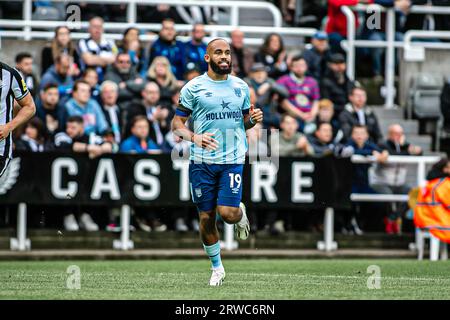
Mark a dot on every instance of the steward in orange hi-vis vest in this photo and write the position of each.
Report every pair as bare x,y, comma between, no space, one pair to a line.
432,210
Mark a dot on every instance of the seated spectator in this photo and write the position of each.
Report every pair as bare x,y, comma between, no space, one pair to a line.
195,49
391,178
268,94
139,141
316,57
59,74
24,64
81,104
91,77
292,142
160,72
76,140
241,57
109,92
151,108
357,113
125,76
34,138
61,43
322,140
335,84
192,71
302,102
48,109
273,55
132,45
166,45
96,51
326,114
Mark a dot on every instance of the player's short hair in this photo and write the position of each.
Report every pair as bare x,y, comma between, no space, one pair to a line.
77,119
77,84
23,55
137,119
49,86
214,40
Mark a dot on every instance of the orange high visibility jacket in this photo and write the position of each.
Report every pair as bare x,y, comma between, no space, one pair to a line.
433,208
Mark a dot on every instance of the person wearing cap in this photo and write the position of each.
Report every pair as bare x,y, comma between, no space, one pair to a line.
316,57
335,84
241,57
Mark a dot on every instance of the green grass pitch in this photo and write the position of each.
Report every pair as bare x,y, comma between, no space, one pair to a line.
246,279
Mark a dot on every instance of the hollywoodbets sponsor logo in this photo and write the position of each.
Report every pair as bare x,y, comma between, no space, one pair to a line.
236,115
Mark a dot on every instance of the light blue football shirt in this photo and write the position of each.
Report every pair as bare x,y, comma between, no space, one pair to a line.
217,107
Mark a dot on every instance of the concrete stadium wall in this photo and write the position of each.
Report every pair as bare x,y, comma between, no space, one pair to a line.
436,62
11,47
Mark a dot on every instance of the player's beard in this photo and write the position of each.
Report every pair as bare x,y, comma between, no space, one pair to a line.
217,69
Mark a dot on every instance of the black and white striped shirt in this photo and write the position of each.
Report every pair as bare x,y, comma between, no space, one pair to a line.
12,87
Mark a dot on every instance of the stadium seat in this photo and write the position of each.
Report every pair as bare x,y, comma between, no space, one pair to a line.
425,100
436,247
47,13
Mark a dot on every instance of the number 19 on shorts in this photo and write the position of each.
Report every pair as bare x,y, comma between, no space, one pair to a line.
235,182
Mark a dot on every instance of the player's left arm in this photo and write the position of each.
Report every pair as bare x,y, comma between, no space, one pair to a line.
25,102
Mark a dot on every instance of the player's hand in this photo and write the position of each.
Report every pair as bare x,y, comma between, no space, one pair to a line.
256,114
206,141
5,130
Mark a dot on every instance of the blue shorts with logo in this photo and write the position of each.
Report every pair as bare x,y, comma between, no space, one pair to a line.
215,185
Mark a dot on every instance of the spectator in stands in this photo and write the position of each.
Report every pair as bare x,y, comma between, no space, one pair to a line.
361,145
52,114
292,142
316,57
192,71
132,45
96,51
81,104
76,140
357,113
195,49
326,114
268,94
303,92
140,141
322,140
391,178
109,92
126,77
150,107
91,77
35,138
160,72
61,43
167,45
24,64
273,55
335,84
59,74
242,58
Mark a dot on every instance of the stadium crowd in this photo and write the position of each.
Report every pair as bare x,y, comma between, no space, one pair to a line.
96,96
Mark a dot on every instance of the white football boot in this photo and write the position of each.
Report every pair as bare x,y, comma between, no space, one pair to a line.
242,228
217,277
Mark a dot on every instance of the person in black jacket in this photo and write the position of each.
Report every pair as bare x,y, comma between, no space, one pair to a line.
335,85
357,113
34,138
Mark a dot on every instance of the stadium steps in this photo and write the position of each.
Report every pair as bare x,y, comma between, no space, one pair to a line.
51,239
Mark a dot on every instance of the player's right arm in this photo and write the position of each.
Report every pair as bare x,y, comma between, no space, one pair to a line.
25,102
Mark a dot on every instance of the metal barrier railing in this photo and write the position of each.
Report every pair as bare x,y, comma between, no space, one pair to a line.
351,43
